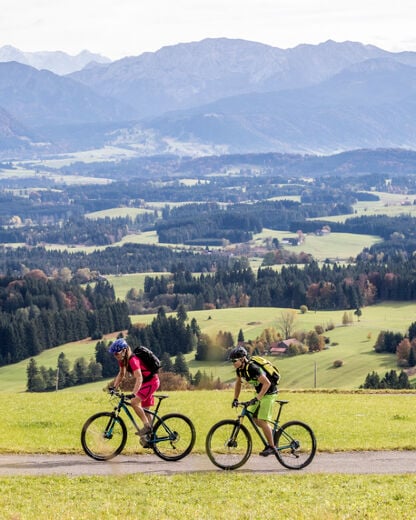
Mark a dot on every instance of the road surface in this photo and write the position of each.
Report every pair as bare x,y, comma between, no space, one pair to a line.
368,462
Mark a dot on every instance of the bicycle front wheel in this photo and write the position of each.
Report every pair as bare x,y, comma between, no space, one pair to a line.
228,444
296,445
103,436
173,437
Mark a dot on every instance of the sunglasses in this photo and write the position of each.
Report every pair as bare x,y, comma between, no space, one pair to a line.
234,360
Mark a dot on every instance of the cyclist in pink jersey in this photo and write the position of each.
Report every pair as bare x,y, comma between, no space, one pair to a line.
145,385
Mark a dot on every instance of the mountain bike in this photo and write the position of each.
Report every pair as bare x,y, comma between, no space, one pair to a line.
104,434
229,442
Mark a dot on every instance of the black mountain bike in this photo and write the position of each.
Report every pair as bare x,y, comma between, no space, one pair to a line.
104,434
229,443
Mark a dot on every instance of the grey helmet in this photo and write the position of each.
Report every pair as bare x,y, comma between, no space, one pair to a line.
238,352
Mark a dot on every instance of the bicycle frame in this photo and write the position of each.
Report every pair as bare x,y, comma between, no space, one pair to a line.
258,430
123,405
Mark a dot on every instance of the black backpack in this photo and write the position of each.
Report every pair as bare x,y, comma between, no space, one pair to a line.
151,361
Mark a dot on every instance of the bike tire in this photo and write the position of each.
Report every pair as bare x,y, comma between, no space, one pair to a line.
173,437
296,445
228,444
103,436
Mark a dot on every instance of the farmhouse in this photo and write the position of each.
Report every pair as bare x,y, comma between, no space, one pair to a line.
280,347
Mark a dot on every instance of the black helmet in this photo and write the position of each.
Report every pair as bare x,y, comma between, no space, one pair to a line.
238,352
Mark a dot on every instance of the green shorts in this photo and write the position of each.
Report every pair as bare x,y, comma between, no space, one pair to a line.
264,409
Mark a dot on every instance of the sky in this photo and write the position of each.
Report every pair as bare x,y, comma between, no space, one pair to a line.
119,28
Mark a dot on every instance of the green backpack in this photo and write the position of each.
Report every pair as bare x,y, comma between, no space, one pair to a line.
272,372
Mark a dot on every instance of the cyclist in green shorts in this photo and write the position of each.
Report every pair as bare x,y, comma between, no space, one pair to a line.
262,404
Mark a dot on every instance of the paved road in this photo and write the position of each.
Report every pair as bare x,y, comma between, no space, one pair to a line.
377,462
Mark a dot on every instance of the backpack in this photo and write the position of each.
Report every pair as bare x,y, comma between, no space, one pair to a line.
272,372
149,359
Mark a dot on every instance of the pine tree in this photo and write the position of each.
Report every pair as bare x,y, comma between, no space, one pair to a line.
412,357
180,366
31,371
64,370
181,313
166,362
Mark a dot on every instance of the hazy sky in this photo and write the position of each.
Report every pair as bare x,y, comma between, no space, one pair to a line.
118,28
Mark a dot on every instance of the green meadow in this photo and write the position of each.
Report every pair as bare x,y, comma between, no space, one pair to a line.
210,496
51,423
342,421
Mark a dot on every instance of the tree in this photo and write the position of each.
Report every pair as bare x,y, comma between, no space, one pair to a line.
181,313
286,323
412,356
94,371
403,350
166,362
63,371
180,366
32,371
315,341
80,371
240,338
107,361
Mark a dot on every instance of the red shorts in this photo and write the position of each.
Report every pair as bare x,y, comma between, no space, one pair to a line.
147,390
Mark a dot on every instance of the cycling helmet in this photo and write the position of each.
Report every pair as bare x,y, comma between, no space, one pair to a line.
117,346
238,352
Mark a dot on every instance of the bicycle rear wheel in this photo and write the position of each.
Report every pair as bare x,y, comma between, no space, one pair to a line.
296,445
103,436
228,444
173,437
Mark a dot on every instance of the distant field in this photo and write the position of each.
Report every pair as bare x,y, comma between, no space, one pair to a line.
123,283
354,346
22,172
117,212
390,204
336,246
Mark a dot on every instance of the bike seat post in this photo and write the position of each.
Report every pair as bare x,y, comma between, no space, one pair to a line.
281,404
160,399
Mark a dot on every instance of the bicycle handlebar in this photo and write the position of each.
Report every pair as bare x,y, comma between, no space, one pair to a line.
118,394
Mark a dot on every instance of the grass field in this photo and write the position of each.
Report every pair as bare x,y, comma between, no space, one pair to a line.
51,423
390,204
210,496
335,246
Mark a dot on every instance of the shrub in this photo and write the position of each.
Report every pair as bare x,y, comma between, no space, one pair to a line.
338,363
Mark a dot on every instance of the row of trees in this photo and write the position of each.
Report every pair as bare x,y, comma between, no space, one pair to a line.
37,313
320,288
42,379
129,258
404,346
390,380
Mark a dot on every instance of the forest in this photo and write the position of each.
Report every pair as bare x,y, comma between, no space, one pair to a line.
38,313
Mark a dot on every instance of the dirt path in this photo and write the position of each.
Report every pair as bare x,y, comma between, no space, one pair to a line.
377,462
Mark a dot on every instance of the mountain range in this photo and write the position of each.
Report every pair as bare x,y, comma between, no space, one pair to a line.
215,96
56,61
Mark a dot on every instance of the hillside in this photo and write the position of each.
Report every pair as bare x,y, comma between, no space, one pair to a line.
354,346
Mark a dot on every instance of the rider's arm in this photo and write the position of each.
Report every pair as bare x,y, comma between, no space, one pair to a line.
265,385
137,374
119,377
237,387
